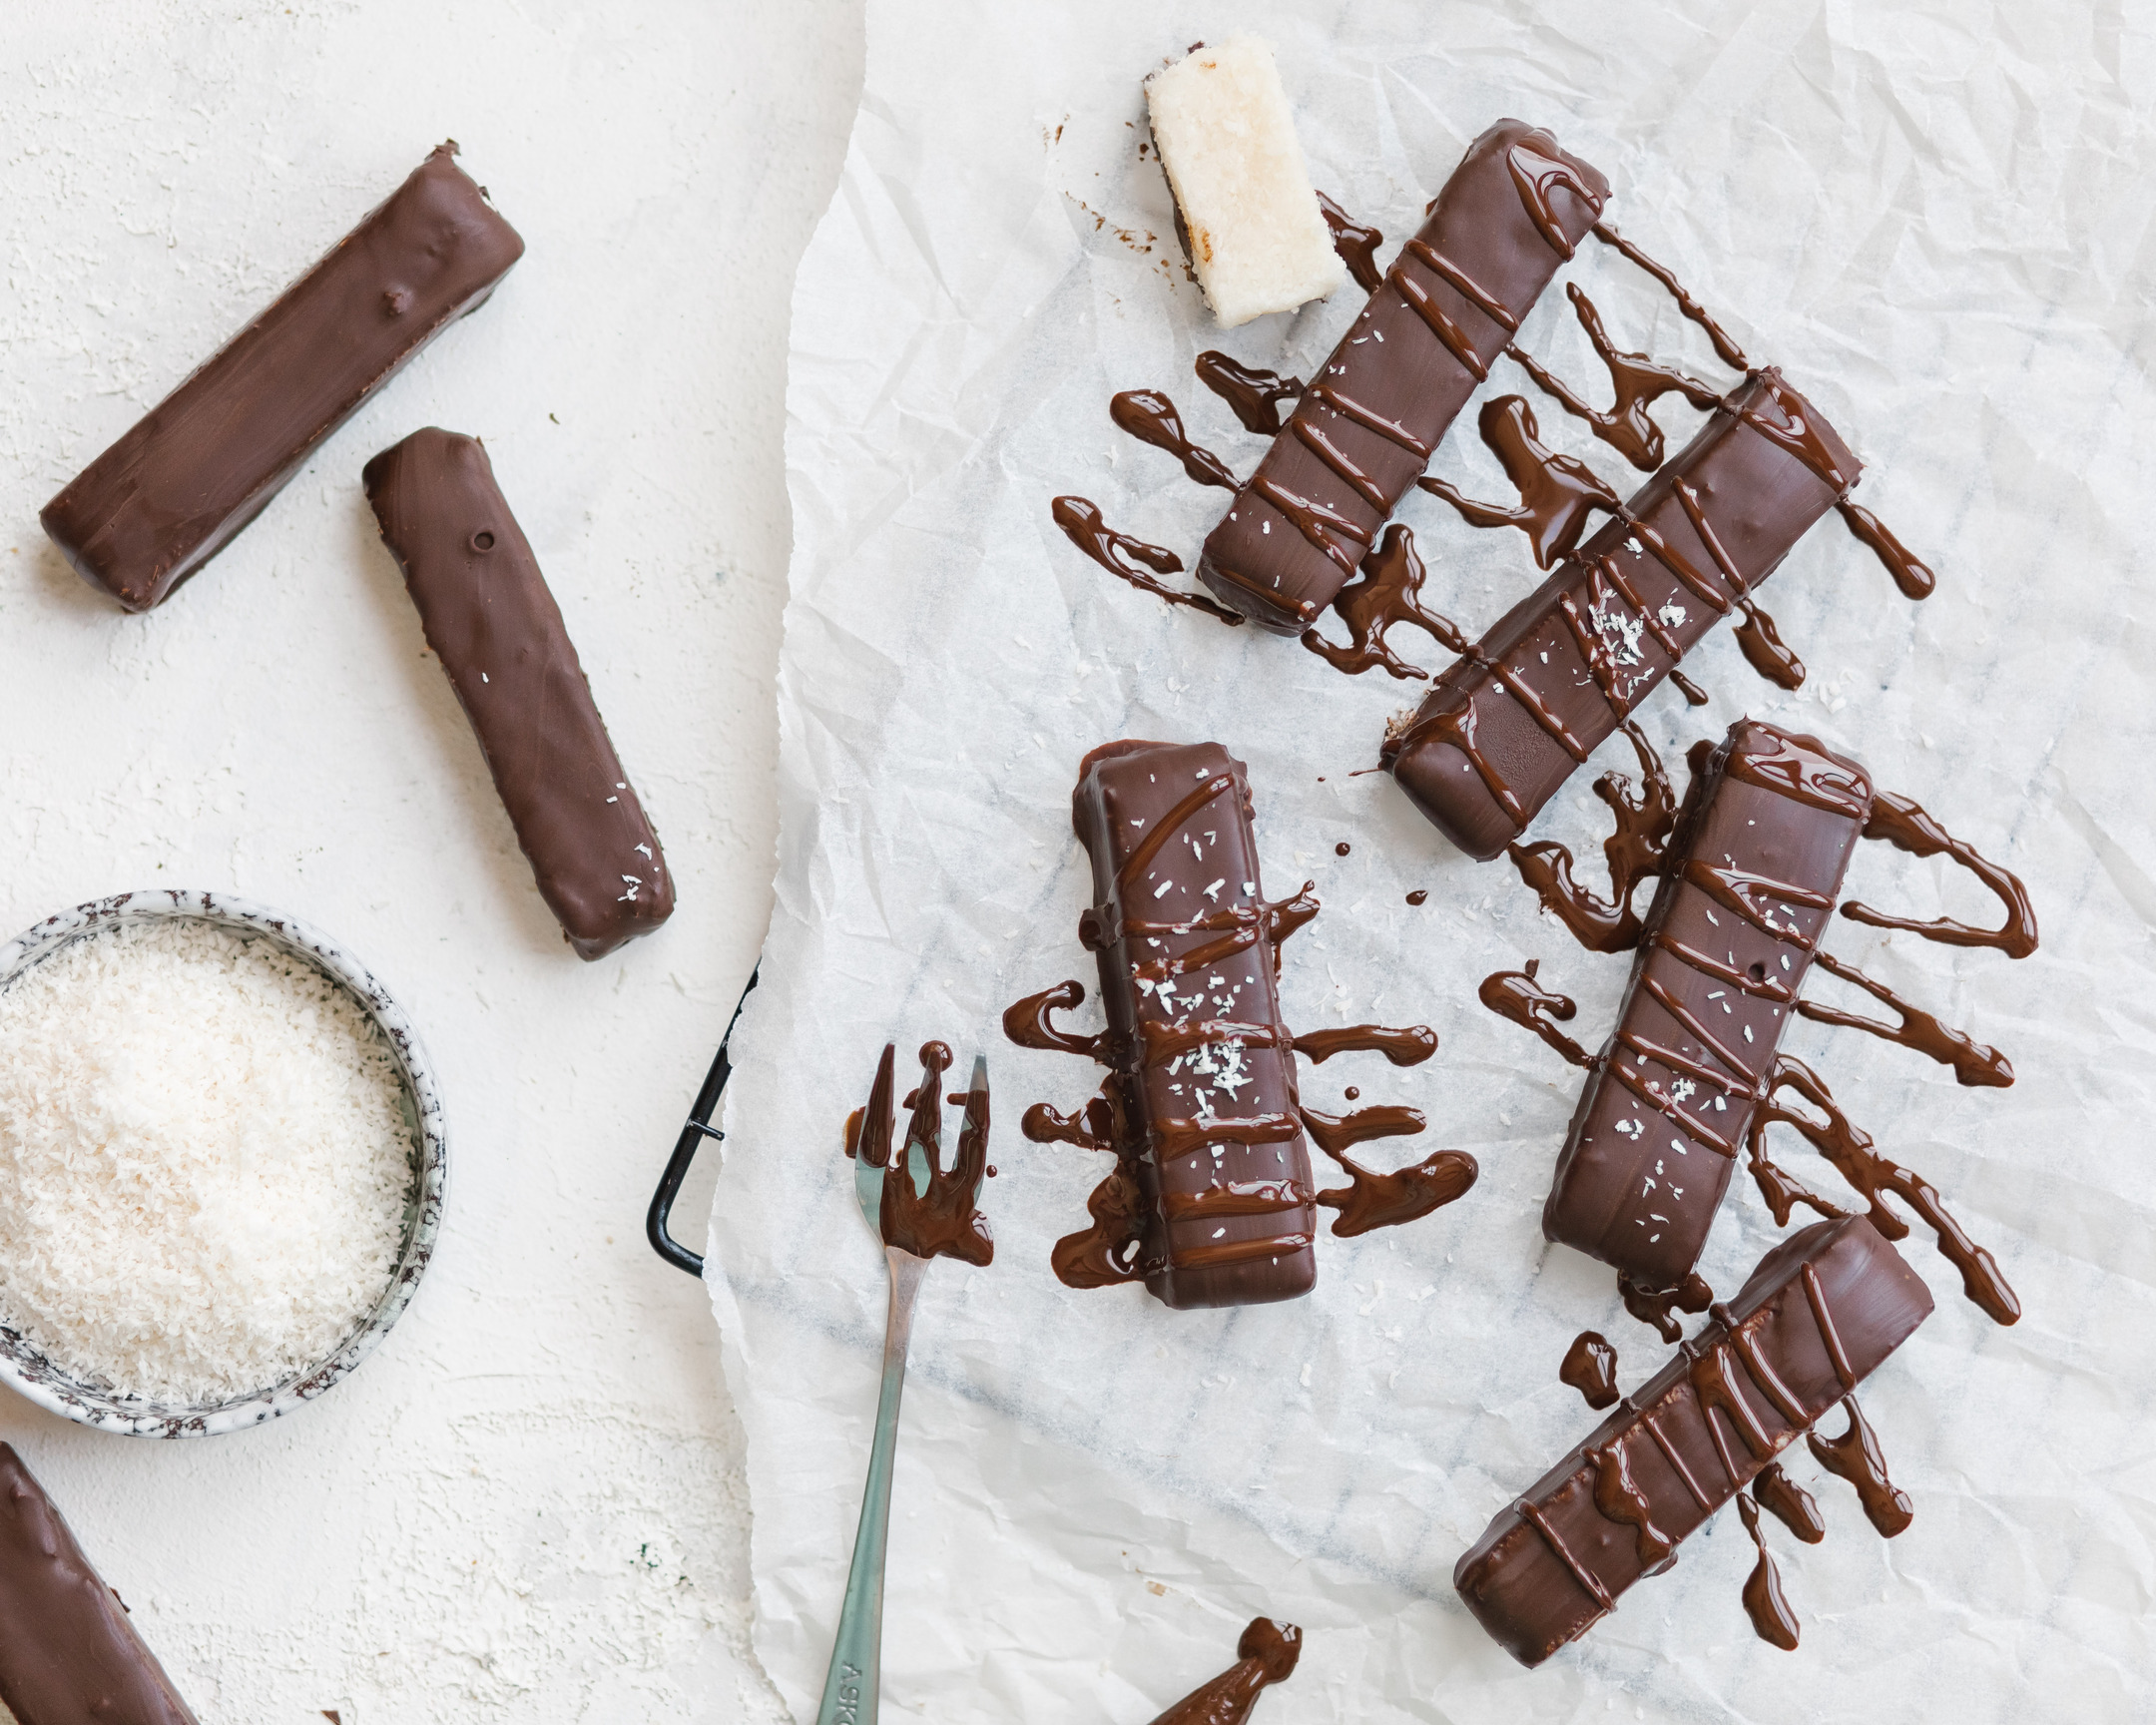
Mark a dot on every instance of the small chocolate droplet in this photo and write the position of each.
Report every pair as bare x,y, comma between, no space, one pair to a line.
1341,849
1420,895
991,1170
1351,1092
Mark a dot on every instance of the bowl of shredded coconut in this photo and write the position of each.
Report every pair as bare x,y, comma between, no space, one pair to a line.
220,1164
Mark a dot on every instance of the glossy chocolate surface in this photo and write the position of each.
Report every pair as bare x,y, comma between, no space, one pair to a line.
1266,1654
1364,429
1816,1317
1202,1065
68,1653
1503,728
1756,865
488,614
201,463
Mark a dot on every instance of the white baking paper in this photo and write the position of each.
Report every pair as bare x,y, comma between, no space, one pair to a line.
1936,218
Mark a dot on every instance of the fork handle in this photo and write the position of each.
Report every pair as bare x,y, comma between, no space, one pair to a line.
851,1689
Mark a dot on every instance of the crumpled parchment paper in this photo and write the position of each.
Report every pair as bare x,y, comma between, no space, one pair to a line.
1936,219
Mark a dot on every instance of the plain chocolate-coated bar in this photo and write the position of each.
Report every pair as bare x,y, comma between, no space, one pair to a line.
1202,1068
488,614
1366,427
68,1653
1503,727
205,461
1754,868
1820,1313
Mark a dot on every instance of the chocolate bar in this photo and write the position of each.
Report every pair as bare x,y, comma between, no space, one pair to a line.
68,1653
1817,1315
203,462
1755,868
1510,213
1201,1068
487,613
1503,728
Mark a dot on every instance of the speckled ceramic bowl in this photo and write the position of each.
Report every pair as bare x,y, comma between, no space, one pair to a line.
26,1370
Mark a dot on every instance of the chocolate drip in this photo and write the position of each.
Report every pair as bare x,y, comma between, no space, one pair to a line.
1634,852
1374,1200
1337,1133
1783,417
1516,994
1389,591
1731,355
927,1209
1420,895
1080,520
1026,1022
1973,1062
1590,1366
1110,1252
1252,395
1559,492
1660,1305
1089,1128
1694,695
1266,1655
1850,1149
1618,1499
1151,418
1355,243
1637,382
1857,1457
1790,1502
1907,827
1407,1046
1763,1601
1756,637
1911,576
1537,176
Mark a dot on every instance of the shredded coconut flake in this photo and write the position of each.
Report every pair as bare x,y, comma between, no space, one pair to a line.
204,1164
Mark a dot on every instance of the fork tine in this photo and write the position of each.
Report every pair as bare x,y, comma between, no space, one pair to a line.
868,1130
972,1162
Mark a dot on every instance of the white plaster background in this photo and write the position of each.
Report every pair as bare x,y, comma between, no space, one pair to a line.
528,1505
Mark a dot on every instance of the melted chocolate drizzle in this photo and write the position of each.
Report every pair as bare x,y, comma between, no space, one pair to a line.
1849,1148
1151,418
1516,994
1790,1503
1907,827
1756,637
1590,1366
1558,494
1660,1305
1355,243
1912,577
927,1210
1618,1499
1026,1024
1857,1457
1694,695
1730,354
1634,852
1637,382
1080,520
1389,591
1252,395
1408,1045
1763,1601
1973,1062
1266,1655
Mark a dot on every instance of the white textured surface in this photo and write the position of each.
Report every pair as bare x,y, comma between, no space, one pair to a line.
1935,216
527,1505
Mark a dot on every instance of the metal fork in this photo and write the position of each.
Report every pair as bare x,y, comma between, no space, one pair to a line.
854,1683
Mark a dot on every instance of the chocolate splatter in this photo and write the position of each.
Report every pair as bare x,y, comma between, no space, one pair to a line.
1120,555
1559,492
1590,1366
1389,591
1516,994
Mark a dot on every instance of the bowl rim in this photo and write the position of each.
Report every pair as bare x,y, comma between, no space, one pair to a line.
26,1370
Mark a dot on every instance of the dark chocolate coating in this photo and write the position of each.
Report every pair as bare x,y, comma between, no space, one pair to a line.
205,461
1775,820
1759,496
487,613
1242,1219
1392,365
1537,1581
68,1653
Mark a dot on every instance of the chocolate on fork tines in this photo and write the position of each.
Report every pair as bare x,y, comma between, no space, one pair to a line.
1822,1312
205,461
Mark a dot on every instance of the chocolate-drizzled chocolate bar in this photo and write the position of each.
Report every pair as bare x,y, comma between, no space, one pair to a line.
486,611
1201,1066
203,462
1817,1315
1504,726
1363,431
68,1653
1758,860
